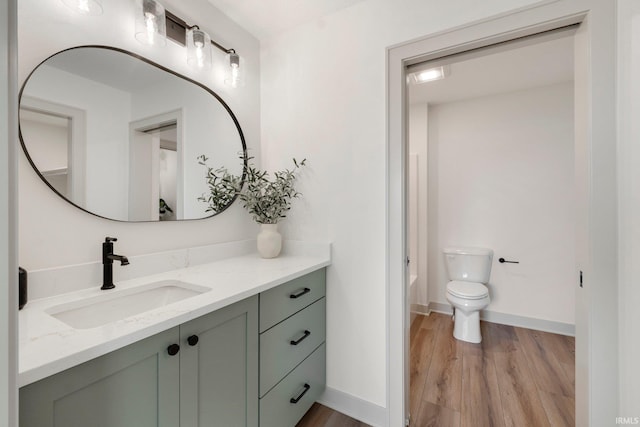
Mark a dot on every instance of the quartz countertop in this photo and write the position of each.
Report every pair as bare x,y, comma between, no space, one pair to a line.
49,346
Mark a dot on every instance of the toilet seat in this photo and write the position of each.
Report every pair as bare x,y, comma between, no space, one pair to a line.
467,290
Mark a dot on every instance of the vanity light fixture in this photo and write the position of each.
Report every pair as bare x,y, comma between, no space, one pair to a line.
150,23
199,44
234,71
430,74
84,7
198,47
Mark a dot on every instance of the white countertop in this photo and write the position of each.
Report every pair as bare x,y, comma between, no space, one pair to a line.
49,346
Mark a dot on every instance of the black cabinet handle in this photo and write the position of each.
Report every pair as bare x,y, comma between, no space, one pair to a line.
306,334
193,340
297,399
173,349
299,294
502,261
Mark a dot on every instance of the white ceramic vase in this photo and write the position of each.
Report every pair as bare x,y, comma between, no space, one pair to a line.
269,241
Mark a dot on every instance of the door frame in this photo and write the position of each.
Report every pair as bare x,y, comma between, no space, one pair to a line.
597,381
8,214
147,123
77,152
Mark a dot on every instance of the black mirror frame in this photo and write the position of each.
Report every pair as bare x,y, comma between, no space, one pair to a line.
245,157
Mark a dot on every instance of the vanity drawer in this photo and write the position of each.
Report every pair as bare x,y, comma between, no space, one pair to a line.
287,344
277,408
282,301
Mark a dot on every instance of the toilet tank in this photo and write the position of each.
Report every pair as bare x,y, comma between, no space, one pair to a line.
468,264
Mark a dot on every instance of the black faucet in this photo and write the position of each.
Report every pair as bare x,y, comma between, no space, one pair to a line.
107,262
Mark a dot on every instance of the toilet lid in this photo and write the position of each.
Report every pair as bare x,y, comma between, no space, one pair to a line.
469,290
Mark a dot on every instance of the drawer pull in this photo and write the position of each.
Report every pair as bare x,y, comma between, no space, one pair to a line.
296,342
299,294
297,399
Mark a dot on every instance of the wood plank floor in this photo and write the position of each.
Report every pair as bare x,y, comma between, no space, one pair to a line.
515,377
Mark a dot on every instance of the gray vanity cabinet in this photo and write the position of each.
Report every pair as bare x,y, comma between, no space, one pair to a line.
219,368
258,362
212,380
134,386
292,349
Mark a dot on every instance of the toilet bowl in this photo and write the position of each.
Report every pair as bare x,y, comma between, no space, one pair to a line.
467,298
468,270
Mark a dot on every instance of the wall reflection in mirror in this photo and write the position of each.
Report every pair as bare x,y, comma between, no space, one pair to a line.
119,136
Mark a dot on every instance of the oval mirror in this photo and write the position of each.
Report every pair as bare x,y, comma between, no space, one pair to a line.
120,136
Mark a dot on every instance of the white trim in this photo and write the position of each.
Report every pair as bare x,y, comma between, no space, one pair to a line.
596,321
8,215
354,407
77,155
168,117
421,309
513,320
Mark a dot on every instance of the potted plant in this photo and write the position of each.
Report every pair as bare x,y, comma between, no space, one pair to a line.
267,200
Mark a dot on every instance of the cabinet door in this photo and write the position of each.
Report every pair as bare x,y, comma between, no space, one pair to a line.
134,386
219,375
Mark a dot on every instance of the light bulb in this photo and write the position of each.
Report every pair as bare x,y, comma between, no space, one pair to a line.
235,70
151,26
150,22
198,47
235,74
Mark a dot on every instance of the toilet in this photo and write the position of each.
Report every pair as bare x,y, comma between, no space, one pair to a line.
468,270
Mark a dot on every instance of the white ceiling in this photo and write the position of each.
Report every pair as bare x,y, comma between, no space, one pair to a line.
265,18
526,67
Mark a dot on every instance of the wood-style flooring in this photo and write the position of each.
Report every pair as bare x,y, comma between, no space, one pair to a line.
515,377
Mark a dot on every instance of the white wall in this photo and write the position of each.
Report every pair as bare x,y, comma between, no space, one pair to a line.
8,246
629,196
501,176
52,232
418,138
323,97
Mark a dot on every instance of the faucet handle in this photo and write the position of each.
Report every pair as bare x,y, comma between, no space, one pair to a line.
110,239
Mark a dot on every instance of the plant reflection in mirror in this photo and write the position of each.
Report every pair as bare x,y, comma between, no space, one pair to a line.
266,200
223,187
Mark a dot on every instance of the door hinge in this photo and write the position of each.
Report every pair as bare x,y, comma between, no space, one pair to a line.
408,260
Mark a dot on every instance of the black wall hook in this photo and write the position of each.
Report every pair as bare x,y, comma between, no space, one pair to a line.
502,261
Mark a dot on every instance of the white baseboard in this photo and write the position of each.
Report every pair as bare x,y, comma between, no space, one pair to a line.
439,307
420,309
514,320
354,407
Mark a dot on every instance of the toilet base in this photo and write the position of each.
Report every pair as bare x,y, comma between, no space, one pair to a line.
466,326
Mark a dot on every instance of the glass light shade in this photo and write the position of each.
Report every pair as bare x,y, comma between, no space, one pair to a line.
85,7
198,48
235,70
151,26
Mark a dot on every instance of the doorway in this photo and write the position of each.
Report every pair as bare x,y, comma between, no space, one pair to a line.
596,249
491,164
156,168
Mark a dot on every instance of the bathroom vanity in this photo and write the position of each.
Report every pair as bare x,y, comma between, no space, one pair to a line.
249,356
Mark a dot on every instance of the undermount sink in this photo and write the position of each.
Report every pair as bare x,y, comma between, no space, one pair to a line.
121,304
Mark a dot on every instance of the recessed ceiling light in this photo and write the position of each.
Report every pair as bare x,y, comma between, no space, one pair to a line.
430,74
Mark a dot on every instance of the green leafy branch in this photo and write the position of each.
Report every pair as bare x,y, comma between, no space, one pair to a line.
266,200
